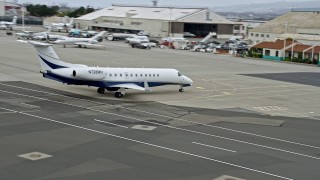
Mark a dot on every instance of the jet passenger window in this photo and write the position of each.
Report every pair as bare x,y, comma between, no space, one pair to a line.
120,75
149,75
115,75
146,75
158,75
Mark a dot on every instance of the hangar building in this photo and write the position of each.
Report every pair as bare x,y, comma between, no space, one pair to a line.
159,21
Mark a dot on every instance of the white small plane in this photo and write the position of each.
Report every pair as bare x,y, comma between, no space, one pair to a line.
32,34
110,79
62,25
8,25
82,42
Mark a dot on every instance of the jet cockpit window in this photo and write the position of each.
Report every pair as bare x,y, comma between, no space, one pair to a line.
179,74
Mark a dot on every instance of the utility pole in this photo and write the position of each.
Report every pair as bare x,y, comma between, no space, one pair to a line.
285,39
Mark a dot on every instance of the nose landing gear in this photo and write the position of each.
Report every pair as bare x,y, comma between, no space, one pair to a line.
101,90
118,94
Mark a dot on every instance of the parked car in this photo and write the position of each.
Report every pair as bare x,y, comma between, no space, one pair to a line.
210,49
199,47
188,46
154,43
143,33
141,45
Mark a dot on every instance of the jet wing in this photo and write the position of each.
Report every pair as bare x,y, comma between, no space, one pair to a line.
130,86
87,44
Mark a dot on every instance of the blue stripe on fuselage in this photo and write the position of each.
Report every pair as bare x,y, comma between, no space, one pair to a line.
51,65
96,83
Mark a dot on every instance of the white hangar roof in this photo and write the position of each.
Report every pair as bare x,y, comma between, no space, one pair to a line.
151,12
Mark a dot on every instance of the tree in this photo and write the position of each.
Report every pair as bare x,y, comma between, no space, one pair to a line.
80,11
42,10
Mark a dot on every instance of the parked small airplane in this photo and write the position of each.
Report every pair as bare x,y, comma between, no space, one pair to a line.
110,79
33,35
8,25
62,25
82,42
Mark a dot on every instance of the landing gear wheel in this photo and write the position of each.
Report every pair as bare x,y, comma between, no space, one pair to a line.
118,94
181,90
101,90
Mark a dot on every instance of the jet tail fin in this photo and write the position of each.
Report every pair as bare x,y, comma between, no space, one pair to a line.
99,35
71,21
14,20
48,57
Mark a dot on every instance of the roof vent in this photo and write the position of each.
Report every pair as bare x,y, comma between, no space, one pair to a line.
157,11
110,9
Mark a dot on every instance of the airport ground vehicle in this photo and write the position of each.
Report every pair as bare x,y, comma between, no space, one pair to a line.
141,45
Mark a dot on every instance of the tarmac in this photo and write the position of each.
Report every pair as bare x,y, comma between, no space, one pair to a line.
241,119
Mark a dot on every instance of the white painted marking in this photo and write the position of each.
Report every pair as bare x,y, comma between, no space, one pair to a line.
270,108
144,127
110,123
51,93
200,88
172,127
30,105
149,144
214,147
7,112
35,156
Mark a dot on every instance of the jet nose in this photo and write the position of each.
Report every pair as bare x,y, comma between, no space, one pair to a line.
189,80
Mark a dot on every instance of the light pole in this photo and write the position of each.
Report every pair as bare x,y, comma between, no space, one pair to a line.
170,34
285,39
23,10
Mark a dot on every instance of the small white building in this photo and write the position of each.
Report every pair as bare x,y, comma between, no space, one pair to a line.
159,21
243,27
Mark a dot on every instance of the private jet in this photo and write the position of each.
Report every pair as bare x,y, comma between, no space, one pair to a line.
8,25
62,25
82,42
110,79
33,35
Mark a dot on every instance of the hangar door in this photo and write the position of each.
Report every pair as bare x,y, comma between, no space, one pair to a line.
201,30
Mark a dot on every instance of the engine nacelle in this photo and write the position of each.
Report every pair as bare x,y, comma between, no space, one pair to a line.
85,73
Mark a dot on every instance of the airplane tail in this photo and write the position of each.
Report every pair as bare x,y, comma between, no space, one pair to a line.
47,56
49,29
97,36
71,21
14,20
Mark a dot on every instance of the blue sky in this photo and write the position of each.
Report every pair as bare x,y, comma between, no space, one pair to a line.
105,3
